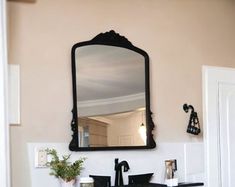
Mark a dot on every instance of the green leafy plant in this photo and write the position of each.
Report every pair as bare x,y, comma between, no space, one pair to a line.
64,169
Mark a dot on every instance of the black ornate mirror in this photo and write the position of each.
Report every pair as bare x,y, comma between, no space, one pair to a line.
111,97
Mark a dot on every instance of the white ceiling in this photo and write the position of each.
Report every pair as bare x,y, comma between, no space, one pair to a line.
105,72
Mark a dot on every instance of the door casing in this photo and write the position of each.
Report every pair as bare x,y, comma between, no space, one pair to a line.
4,125
213,77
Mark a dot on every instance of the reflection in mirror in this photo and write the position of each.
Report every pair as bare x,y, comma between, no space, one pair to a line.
111,96
123,129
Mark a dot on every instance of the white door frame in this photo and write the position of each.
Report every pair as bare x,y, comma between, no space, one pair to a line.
4,125
212,77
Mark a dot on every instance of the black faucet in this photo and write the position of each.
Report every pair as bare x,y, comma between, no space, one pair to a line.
118,169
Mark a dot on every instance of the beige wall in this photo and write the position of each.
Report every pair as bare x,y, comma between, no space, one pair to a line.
179,35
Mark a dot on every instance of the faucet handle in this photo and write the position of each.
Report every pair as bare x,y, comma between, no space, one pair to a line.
116,164
116,160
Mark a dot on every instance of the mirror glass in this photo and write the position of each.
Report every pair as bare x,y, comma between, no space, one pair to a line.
111,103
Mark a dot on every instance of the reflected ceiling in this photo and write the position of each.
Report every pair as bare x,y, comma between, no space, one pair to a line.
107,72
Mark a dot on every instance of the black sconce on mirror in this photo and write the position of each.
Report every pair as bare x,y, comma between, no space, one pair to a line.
193,125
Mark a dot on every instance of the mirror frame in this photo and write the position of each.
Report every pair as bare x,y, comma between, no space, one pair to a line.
111,38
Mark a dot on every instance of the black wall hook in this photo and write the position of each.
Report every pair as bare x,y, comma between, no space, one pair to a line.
193,125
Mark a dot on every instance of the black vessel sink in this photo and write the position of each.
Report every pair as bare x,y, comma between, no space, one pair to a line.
183,184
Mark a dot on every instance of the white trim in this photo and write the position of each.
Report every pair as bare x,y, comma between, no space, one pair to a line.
14,94
226,96
4,125
113,100
212,77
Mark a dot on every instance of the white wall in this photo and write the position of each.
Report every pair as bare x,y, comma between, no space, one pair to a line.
127,127
189,158
179,36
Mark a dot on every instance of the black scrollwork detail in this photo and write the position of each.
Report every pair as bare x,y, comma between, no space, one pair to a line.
193,124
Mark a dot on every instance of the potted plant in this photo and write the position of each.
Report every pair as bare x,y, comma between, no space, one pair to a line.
63,169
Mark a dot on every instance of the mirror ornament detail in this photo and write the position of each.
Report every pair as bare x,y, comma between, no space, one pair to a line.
122,46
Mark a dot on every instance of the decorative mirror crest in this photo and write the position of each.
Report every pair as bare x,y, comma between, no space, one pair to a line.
111,97
112,38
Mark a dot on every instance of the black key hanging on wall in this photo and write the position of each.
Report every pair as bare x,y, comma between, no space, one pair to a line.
193,125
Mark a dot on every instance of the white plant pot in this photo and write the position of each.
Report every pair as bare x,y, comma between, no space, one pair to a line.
67,184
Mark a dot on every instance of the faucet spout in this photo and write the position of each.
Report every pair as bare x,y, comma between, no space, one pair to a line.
125,165
118,168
